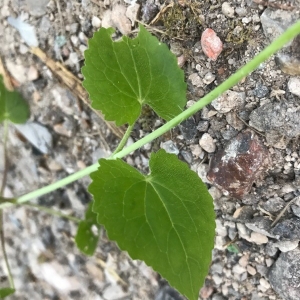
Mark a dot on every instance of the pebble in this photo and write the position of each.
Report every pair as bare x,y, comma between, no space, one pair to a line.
241,11
220,228
37,8
196,80
211,44
169,147
228,101
284,275
17,71
215,193
119,19
234,168
32,74
277,119
265,285
188,129
227,10
251,270
274,205
260,91
96,22
188,157
294,86
269,262
202,172
27,32
243,261
66,128
181,60
234,121
258,238
275,22
288,229
37,135
217,279
149,11
132,12
288,64
209,78
237,269
285,246
202,126
197,151
260,225
207,143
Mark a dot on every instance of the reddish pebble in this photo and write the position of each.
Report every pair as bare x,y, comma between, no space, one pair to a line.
234,169
211,44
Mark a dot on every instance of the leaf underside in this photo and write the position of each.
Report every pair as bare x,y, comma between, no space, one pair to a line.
122,76
165,218
12,106
86,240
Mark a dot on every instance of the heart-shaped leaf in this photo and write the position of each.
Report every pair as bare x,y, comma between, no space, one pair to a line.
86,239
122,76
12,106
165,218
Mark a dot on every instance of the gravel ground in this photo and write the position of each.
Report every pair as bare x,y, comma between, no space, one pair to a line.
252,259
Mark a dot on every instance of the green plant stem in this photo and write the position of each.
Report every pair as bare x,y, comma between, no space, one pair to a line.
124,139
289,34
2,238
5,137
53,212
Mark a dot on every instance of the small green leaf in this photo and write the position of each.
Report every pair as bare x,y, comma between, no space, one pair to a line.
122,76
12,106
165,218
4,292
86,239
233,248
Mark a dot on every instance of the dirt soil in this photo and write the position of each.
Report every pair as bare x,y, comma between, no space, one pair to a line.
248,251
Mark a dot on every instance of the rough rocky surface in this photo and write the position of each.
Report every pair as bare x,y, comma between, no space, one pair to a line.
285,275
252,259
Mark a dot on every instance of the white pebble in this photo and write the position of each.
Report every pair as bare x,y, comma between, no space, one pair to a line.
207,143
227,10
96,22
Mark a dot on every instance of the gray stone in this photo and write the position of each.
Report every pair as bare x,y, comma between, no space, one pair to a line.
285,246
287,229
284,275
188,129
37,8
250,199
203,126
261,225
296,210
228,101
274,204
188,157
209,78
260,91
275,22
280,117
202,172
271,249
170,147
